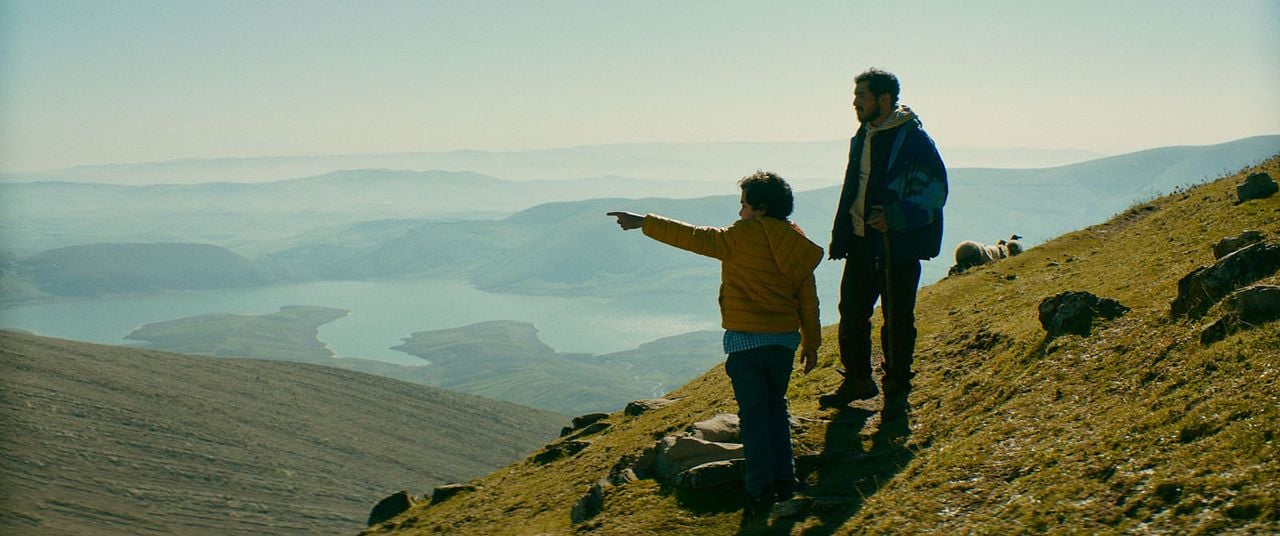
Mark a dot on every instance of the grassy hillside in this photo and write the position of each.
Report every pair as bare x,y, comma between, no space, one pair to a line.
112,440
1137,428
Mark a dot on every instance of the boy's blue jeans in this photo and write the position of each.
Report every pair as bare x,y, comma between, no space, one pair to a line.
759,377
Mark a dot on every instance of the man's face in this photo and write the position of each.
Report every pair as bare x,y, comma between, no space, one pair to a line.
865,104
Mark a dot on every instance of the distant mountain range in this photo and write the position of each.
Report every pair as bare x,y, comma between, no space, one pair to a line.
810,164
362,224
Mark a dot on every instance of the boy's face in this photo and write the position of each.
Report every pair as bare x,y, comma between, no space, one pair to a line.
748,212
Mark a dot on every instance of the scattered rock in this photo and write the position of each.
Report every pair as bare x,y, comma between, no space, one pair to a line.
1204,286
627,470
593,428
678,454
590,504
640,406
1257,186
723,428
563,449
447,491
791,507
583,421
1230,244
1245,308
398,503
712,474
1074,312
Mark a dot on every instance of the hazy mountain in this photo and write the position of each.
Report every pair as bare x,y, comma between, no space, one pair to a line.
1138,427
254,219
502,360
811,164
98,269
113,440
564,246
572,246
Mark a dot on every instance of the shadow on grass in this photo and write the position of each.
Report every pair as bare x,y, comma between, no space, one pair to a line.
847,472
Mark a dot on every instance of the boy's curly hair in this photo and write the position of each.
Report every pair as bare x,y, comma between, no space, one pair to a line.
767,189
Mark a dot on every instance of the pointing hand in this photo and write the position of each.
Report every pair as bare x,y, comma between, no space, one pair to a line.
628,221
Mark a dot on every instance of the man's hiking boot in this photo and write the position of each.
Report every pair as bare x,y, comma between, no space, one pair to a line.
785,490
850,390
896,385
757,509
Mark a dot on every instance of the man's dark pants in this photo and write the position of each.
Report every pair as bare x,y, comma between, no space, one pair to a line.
759,377
864,282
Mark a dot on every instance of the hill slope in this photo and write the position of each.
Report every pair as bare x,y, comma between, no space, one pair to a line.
1137,428
112,440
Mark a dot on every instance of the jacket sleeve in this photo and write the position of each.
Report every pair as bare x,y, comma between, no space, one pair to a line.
921,186
842,227
710,241
810,328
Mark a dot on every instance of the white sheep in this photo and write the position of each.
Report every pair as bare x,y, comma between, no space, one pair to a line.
970,253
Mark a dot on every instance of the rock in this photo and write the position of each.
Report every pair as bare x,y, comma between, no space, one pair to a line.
712,474
723,428
1245,308
627,469
640,406
679,454
589,505
588,419
563,449
1230,244
1074,312
791,507
1204,286
447,491
583,421
398,503
1256,186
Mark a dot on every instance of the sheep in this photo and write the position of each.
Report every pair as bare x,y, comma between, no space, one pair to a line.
970,253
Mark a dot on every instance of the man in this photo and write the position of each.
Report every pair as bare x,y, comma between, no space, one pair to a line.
888,220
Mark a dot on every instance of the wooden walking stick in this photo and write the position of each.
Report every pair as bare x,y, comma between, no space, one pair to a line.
886,311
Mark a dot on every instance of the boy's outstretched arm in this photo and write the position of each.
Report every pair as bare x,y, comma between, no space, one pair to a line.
628,221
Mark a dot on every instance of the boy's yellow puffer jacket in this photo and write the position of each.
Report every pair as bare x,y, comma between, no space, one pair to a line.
766,272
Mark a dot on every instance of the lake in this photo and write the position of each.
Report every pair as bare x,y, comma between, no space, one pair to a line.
384,312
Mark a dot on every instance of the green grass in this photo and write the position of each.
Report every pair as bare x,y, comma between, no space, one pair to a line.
1137,428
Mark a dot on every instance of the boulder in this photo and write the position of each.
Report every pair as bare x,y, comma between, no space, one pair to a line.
590,504
562,449
1256,186
723,428
583,421
398,503
1204,286
447,491
1245,308
641,406
678,454
1230,244
1074,312
712,474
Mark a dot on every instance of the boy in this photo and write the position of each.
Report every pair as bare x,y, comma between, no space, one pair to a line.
768,307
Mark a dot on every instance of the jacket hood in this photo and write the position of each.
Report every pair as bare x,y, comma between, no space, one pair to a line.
900,116
795,255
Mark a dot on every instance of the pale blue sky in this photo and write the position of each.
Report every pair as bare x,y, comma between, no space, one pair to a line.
87,82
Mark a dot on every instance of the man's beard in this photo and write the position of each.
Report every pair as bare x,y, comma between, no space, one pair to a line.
872,117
